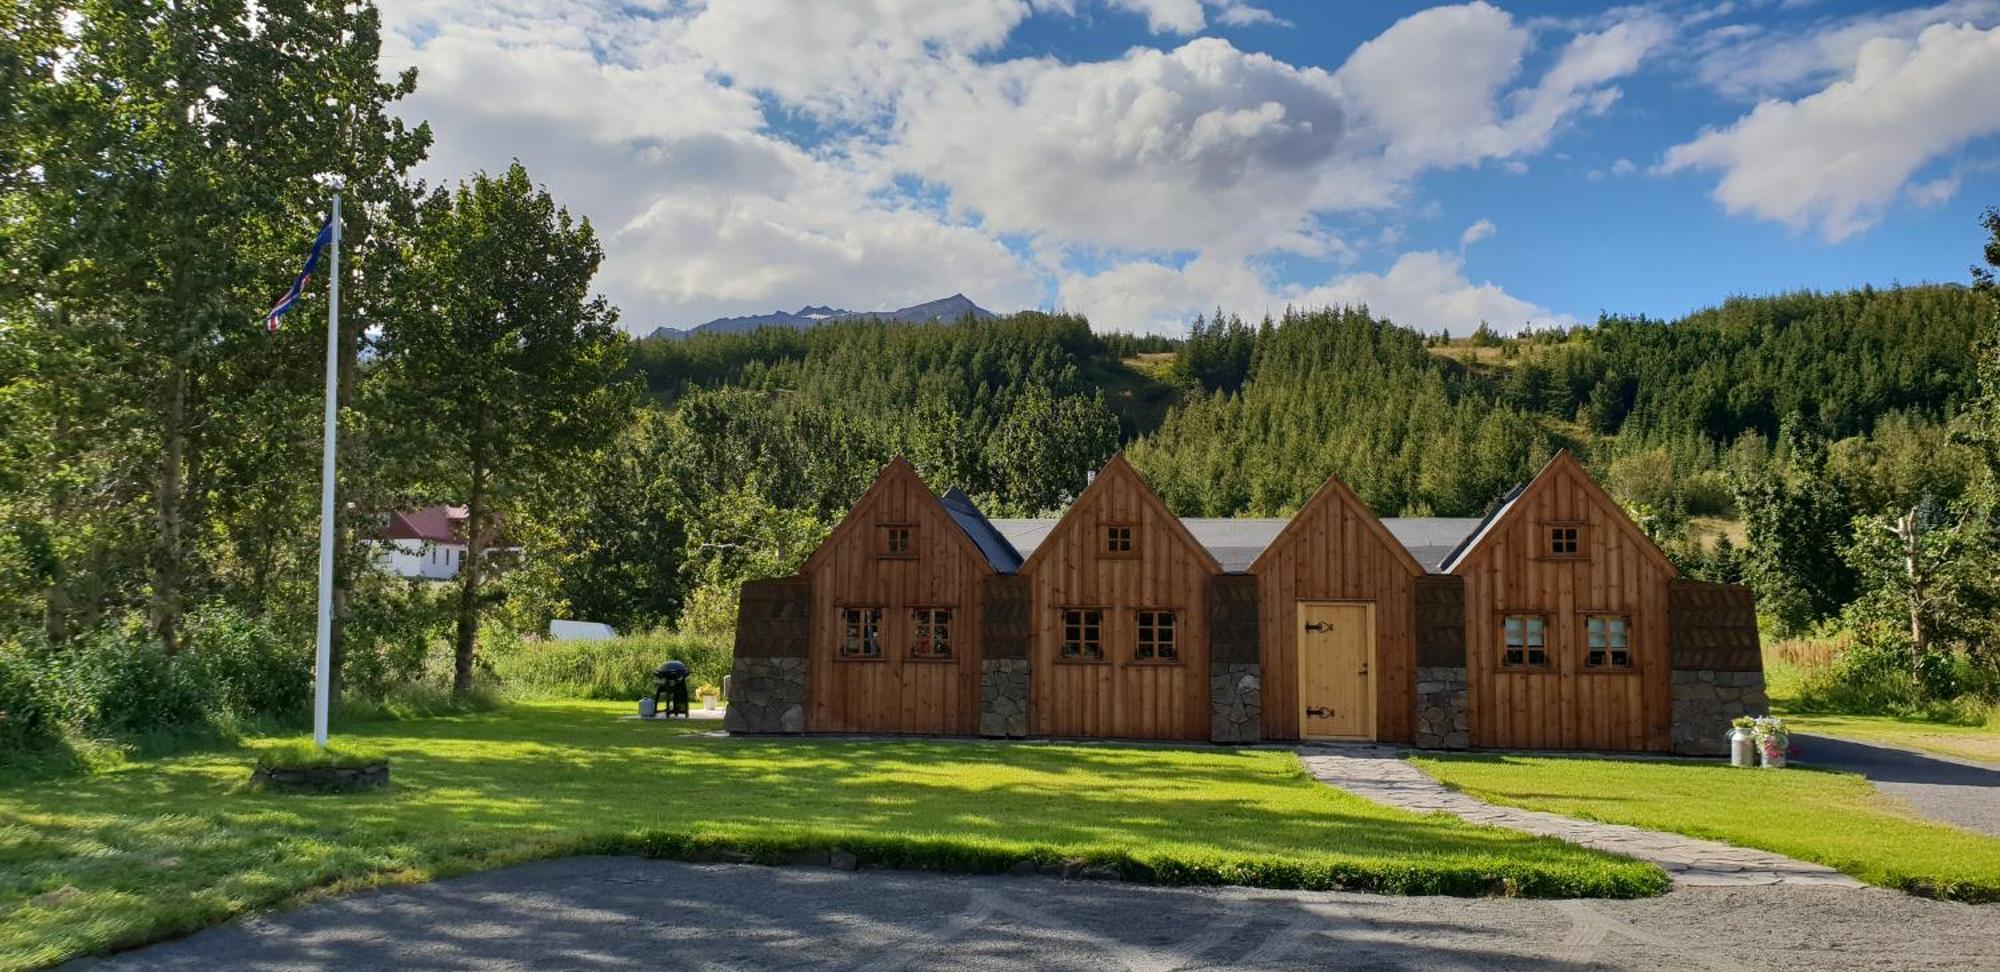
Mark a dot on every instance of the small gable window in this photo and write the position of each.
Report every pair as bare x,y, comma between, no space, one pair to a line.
1607,638
1565,540
1525,639
1118,540
861,632
1083,634
896,540
933,633
1158,638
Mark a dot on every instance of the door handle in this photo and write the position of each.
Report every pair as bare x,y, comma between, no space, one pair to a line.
1364,670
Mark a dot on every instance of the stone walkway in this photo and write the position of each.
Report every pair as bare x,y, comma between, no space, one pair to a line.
1381,774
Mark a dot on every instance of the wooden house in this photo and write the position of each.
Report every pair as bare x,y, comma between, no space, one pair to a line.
1551,623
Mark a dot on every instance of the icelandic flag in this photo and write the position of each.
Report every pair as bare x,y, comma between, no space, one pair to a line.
305,277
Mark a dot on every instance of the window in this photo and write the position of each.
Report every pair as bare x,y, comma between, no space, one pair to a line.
1607,638
1118,540
896,540
861,632
1157,641
933,628
1083,634
1565,540
1526,640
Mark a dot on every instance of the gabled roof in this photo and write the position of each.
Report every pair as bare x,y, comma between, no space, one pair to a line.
1478,533
1563,464
1120,470
898,469
992,544
1236,542
432,524
1336,492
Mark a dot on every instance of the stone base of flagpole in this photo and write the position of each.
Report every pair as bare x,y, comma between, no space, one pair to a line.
321,778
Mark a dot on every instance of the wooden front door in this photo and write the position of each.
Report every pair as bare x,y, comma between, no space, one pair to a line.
1336,670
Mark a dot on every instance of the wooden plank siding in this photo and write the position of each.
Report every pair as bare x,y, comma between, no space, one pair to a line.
1621,572
898,693
1120,697
1336,550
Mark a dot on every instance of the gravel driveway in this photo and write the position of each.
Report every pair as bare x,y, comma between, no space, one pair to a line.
599,913
1953,791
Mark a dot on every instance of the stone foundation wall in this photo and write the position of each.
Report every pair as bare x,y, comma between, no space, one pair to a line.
1003,698
766,695
1236,702
1443,721
1704,703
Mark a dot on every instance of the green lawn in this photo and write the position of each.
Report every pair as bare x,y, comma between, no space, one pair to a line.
1836,819
161,847
1964,742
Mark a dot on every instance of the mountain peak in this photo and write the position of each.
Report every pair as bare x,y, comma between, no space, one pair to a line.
946,309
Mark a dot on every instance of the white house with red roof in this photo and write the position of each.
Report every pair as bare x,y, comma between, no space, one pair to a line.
428,543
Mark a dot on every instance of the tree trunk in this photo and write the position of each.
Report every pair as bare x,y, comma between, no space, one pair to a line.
469,572
165,609
1909,530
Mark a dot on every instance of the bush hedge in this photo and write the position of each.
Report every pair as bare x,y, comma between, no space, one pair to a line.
616,668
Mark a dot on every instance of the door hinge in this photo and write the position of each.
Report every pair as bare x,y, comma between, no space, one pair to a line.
1317,626
1320,712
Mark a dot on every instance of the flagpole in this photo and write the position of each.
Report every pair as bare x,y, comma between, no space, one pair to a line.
323,655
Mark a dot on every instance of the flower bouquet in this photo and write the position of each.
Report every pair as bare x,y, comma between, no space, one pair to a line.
1774,741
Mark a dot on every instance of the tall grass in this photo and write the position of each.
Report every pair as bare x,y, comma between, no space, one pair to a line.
616,668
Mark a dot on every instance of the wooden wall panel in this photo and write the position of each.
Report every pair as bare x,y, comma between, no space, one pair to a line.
897,694
1120,697
1333,550
1567,707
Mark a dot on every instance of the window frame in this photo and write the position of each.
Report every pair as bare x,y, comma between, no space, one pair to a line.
1063,639
885,538
1172,642
918,622
1581,540
1631,665
841,627
1548,665
1129,539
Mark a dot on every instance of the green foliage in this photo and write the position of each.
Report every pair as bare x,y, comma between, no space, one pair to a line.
618,668
1795,517
1337,391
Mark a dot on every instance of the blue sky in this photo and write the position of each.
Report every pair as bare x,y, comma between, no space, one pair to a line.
1142,161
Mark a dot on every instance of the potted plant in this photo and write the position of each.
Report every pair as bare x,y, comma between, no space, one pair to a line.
708,693
1774,741
1743,741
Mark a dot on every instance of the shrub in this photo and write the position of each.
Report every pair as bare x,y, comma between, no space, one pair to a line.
28,720
254,670
618,668
127,683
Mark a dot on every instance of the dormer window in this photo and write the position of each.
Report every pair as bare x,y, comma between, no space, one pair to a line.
1118,540
896,540
1565,541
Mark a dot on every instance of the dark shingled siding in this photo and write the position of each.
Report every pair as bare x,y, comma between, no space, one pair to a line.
1440,621
1714,627
774,618
1007,624
1232,619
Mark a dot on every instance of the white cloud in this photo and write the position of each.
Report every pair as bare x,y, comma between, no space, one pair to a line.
1834,160
1753,62
844,57
1481,230
1425,289
1204,146
1189,16
1431,86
